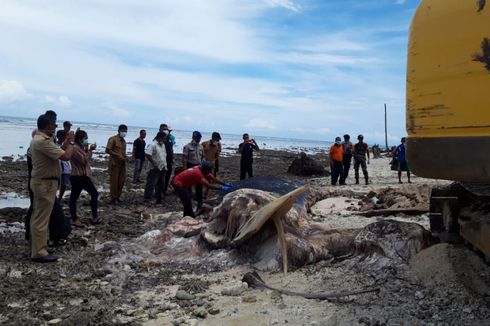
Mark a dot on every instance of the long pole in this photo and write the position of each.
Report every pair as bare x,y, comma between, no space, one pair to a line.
386,129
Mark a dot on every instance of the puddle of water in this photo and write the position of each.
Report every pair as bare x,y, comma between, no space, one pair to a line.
12,199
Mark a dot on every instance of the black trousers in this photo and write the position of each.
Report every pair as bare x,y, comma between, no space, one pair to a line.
79,183
198,188
246,168
154,181
346,161
185,195
337,171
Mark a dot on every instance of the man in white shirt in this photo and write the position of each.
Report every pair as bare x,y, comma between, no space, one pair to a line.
157,158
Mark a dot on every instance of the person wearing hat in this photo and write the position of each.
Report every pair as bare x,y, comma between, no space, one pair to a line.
336,156
246,150
194,176
169,148
192,155
361,150
157,158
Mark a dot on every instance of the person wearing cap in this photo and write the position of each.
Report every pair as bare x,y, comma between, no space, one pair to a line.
116,148
192,155
361,150
246,150
169,148
139,156
194,176
157,159
336,156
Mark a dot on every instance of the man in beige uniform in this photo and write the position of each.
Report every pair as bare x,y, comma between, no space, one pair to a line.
44,184
116,148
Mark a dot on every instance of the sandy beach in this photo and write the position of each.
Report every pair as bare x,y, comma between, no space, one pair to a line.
109,275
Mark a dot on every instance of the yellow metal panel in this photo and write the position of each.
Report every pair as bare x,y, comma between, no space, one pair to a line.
448,72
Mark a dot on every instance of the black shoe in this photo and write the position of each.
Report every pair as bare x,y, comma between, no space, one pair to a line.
45,259
357,182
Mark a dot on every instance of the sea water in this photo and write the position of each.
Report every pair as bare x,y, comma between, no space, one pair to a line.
16,136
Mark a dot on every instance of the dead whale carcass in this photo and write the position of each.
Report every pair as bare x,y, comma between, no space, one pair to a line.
247,219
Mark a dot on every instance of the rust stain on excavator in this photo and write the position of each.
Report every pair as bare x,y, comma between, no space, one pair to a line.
484,57
481,5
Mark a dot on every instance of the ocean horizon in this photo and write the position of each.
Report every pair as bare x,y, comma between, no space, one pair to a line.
16,133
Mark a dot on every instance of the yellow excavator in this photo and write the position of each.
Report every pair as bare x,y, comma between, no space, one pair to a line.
448,115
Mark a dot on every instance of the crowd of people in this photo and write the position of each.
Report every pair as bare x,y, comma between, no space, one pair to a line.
61,160
342,152
58,160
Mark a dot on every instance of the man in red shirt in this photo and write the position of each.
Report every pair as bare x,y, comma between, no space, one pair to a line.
197,175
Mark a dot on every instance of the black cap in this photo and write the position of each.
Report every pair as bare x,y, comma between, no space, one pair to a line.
67,123
206,166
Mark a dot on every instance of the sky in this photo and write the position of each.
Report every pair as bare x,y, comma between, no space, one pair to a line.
308,69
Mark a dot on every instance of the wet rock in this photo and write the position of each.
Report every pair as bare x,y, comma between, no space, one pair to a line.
419,295
193,322
213,311
234,289
83,241
306,166
183,295
200,313
55,321
15,274
249,298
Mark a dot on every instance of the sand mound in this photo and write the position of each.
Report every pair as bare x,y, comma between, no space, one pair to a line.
406,196
448,267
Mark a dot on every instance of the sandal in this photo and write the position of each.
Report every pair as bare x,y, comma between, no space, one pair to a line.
78,224
96,220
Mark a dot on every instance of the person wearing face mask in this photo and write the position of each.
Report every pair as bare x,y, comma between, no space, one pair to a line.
44,184
116,148
336,161
80,178
157,158
192,155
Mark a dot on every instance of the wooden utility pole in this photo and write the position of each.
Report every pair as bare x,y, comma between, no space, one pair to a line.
386,129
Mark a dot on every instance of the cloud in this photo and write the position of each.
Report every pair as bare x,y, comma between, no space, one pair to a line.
290,5
12,91
258,124
116,111
60,101
322,67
